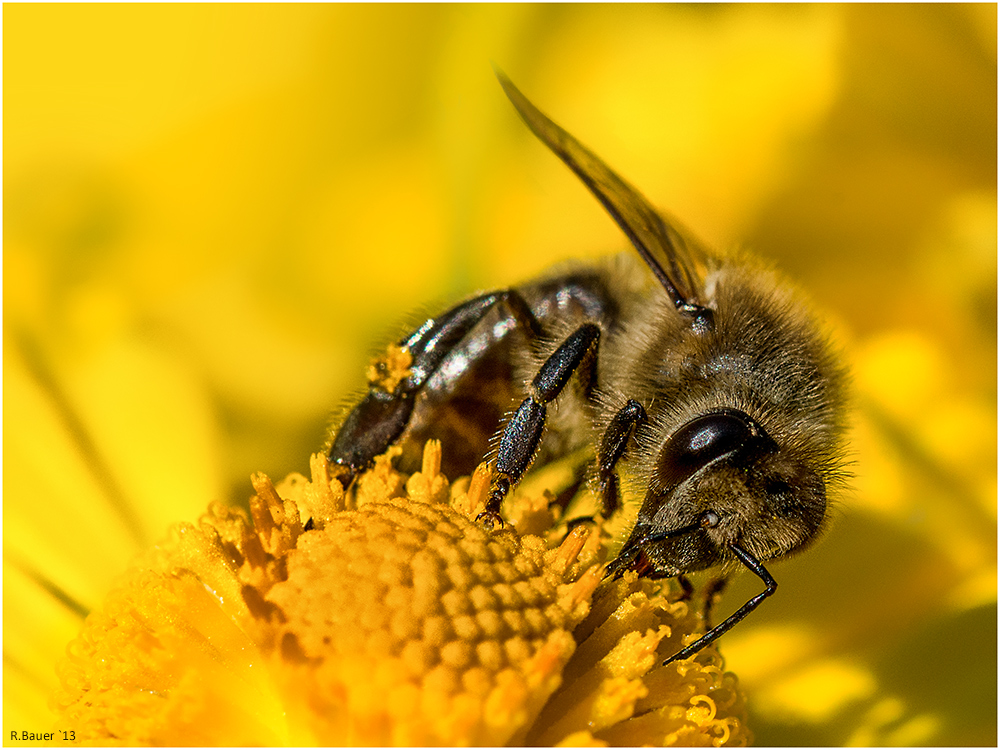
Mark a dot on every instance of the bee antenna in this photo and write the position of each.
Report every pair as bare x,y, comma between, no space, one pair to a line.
755,566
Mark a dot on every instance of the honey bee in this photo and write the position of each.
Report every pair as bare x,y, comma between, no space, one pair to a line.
700,381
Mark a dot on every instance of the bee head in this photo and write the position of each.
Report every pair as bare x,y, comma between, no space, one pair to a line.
720,480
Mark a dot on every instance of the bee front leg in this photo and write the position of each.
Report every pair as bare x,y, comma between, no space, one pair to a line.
382,416
613,446
520,438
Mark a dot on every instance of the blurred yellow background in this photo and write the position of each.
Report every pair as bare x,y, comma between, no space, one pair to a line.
213,214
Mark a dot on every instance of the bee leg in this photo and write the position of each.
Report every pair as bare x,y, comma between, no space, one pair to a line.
712,596
613,446
563,499
520,438
687,588
566,495
382,416
770,586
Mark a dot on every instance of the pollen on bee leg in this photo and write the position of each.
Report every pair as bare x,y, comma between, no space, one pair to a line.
387,371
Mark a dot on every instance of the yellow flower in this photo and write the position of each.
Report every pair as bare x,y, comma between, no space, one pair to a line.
187,188
388,616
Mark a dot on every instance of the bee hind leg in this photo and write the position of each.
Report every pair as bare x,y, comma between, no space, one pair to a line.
382,416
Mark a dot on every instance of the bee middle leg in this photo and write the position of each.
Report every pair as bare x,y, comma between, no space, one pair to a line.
521,436
614,445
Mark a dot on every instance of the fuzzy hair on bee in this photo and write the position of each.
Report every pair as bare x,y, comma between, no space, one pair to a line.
700,382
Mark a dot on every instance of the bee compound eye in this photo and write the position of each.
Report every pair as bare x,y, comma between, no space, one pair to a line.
701,441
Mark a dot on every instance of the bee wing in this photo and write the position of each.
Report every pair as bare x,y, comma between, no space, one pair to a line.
678,264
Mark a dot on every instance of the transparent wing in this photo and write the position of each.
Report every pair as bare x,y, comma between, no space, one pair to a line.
678,263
